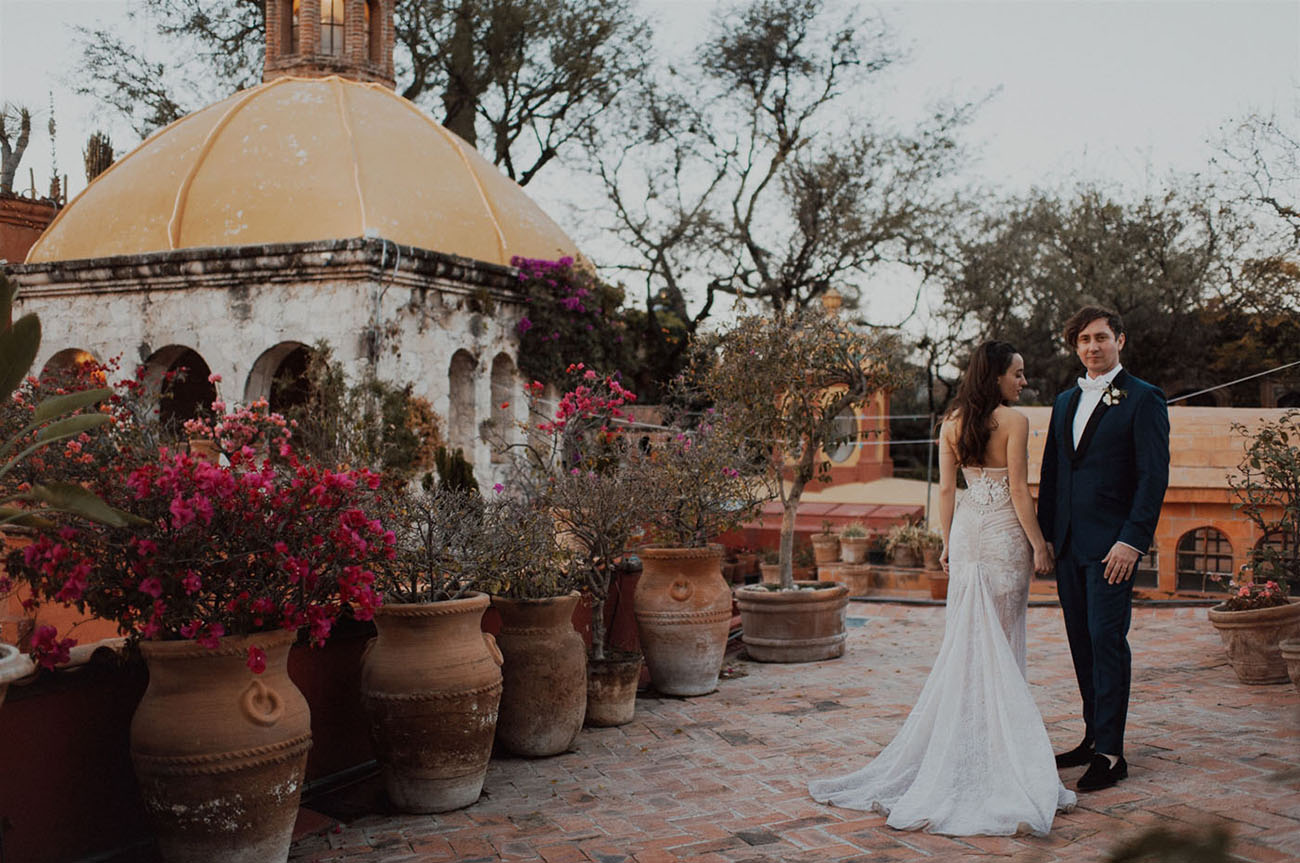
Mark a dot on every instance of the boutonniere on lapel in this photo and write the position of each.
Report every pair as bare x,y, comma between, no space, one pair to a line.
1112,395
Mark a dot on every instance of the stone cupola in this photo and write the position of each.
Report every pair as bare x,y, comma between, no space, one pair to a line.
317,38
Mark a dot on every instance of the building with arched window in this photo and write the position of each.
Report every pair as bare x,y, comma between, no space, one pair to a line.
316,206
1200,535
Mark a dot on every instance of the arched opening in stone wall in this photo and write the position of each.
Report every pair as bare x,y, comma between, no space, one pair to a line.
1203,553
280,376
504,383
460,403
375,31
67,360
179,378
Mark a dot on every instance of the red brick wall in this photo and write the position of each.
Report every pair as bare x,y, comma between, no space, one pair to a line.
21,223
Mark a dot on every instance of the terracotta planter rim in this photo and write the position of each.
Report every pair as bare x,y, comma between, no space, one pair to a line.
821,590
468,602
1221,617
678,552
230,645
537,602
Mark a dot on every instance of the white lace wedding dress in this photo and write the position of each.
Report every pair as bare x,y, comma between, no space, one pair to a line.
973,756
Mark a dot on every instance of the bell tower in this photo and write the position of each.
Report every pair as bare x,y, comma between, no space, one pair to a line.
315,38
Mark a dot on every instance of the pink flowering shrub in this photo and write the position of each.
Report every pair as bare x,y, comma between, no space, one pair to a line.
1245,593
230,549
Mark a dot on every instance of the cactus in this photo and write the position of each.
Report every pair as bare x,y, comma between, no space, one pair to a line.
98,155
454,472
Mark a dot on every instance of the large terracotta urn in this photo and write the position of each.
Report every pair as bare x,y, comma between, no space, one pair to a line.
13,665
430,686
544,691
683,615
1290,650
220,751
802,625
1251,638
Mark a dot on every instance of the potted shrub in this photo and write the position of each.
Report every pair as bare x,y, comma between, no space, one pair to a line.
771,566
1259,613
854,540
699,483
902,545
876,549
931,545
788,379
805,561
231,562
826,545
576,467
431,680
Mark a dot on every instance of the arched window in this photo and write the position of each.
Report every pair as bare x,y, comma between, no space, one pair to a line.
1202,553
503,408
460,408
331,27
845,444
180,377
375,31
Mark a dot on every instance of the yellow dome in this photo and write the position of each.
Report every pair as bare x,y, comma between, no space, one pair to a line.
297,160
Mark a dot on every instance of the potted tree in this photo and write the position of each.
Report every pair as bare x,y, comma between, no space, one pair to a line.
788,379
700,482
574,464
1259,612
231,562
431,680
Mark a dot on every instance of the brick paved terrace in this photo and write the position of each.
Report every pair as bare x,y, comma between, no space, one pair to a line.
722,777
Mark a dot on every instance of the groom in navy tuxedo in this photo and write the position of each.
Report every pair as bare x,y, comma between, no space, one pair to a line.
1105,469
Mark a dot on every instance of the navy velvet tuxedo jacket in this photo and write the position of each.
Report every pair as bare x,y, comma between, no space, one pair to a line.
1112,486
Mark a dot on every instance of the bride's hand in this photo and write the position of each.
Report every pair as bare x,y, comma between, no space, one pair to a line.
1043,563
943,558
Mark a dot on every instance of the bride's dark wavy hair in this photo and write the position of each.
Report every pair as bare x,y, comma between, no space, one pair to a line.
977,397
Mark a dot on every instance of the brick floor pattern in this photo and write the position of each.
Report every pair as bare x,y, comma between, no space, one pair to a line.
721,778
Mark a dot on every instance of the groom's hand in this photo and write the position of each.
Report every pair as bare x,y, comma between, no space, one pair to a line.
1120,561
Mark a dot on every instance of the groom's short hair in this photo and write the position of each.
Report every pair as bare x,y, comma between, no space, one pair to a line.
1087,315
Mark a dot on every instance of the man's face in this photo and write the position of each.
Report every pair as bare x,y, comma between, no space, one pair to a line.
1098,348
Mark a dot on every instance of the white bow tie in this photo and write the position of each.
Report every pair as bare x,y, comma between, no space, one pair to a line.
1094,385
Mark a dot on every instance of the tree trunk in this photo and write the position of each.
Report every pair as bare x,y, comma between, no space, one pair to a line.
9,158
461,96
787,533
597,628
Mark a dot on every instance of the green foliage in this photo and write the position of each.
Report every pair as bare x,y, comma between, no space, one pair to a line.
372,423
905,536
856,530
454,471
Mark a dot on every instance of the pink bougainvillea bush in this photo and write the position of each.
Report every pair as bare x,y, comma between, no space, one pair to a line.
244,546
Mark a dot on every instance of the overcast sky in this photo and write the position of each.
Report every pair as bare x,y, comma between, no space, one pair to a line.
1120,91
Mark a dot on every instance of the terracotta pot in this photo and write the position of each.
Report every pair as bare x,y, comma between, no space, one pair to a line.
771,573
853,549
219,751
683,614
938,584
1290,650
13,665
930,556
794,625
544,686
430,686
1251,639
826,548
611,688
903,556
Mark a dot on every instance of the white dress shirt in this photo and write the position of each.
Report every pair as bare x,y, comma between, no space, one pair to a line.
1091,397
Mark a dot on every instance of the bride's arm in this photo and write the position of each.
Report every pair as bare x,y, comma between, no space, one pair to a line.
1018,479
947,487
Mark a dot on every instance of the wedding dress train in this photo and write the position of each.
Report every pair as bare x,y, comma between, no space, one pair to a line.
973,757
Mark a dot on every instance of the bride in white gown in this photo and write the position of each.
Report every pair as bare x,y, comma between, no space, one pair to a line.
973,757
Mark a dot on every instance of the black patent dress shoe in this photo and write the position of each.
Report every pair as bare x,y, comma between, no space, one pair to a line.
1100,774
1076,757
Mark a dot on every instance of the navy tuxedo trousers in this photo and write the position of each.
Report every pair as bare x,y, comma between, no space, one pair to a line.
1097,617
